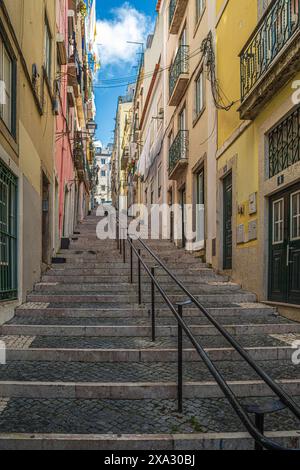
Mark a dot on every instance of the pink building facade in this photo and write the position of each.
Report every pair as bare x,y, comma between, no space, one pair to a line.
66,196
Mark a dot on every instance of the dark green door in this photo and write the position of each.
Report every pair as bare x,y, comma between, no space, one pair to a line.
8,235
227,222
284,266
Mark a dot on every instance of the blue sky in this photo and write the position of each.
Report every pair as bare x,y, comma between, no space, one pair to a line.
117,22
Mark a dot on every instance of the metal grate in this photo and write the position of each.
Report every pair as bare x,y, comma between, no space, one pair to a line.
179,149
179,66
8,235
276,28
284,144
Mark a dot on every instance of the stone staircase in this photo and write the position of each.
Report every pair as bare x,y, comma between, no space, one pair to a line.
83,373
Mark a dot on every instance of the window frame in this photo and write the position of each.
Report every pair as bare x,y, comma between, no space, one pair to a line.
47,51
198,112
278,222
5,46
292,217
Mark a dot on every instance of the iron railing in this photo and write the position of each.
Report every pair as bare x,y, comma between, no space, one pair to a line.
255,429
179,149
284,144
79,153
8,235
172,8
179,66
278,25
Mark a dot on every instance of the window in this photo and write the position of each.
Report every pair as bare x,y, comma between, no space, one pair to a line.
159,182
284,144
48,49
103,161
103,173
8,89
295,216
152,193
103,188
278,221
199,95
200,6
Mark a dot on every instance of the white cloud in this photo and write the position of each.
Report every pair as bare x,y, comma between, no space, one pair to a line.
128,24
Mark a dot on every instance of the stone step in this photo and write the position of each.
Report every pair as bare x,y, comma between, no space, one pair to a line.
93,297
136,312
244,319
139,372
135,342
144,331
138,390
195,288
64,277
283,353
129,442
188,275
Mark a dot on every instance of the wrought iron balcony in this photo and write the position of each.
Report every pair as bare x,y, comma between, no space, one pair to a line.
284,144
275,37
176,13
179,75
178,154
79,156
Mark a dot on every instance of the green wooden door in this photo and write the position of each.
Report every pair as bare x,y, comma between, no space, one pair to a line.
284,243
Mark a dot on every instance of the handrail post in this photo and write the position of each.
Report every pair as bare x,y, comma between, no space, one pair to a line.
153,319
124,250
117,233
260,424
180,363
139,277
131,261
180,306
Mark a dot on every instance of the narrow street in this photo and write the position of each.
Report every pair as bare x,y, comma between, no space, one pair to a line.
82,370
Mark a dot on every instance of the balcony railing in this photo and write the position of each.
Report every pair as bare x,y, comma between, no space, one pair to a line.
79,155
176,13
180,66
279,24
284,144
179,150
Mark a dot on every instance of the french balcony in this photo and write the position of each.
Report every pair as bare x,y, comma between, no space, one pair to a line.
176,13
178,154
270,57
79,159
179,75
125,158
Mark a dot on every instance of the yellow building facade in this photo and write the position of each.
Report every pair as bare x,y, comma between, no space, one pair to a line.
26,144
258,198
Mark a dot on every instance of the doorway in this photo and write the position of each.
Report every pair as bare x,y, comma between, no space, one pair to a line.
45,219
200,207
227,222
183,215
284,246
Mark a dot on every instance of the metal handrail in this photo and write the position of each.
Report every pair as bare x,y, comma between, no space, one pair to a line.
286,399
259,438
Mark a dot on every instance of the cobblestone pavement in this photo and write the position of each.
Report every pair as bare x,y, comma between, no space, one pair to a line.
144,321
128,416
54,342
138,372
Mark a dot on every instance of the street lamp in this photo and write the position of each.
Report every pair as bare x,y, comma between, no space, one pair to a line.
91,127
